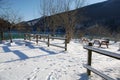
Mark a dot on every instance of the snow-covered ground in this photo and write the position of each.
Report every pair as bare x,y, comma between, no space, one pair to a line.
39,62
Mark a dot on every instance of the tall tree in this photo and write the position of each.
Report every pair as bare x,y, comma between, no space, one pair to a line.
67,19
9,15
4,24
12,17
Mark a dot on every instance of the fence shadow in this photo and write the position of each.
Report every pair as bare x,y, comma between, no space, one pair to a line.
84,77
20,43
29,44
21,55
47,51
6,49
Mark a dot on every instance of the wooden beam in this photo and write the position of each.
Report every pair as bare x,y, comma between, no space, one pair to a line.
57,46
98,73
59,38
89,59
103,52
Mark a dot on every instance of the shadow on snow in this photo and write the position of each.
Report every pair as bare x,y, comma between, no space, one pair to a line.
84,76
6,49
21,55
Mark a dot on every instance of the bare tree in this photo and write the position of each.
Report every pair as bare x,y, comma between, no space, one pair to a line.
44,11
69,18
13,18
9,15
79,3
48,8
4,24
60,13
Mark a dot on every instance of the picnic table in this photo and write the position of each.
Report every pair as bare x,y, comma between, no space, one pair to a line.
101,42
85,40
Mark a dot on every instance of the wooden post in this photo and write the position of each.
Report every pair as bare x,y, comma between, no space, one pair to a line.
89,59
65,43
48,40
37,39
24,36
29,37
119,47
40,36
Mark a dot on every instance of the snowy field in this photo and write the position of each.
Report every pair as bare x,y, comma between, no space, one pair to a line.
39,62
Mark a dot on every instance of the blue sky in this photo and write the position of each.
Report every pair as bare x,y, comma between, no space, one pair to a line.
29,9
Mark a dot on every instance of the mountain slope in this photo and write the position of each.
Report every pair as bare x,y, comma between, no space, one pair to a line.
106,13
107,9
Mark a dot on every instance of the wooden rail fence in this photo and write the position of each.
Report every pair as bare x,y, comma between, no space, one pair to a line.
102,52
38,38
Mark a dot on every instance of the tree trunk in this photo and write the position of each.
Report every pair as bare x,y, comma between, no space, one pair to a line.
2,35
69,35
10,36
53,33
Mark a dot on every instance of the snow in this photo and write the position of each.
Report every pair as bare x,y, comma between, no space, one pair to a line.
39,62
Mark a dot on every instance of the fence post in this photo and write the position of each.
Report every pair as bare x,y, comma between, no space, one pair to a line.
24,36
65,43
89,59
40,36
119,47
48,40
37,39
30,37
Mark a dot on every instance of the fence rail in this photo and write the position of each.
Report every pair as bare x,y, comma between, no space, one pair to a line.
38,38
102,52
98,73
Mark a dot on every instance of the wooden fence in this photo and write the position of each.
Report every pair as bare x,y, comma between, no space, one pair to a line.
102,52
39,37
